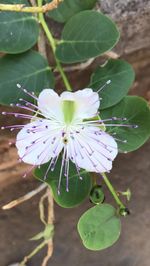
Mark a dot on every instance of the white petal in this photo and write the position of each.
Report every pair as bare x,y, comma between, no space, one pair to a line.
49,104
87,103
40,145
91,151
68,96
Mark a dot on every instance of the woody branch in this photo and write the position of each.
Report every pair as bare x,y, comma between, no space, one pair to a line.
30,9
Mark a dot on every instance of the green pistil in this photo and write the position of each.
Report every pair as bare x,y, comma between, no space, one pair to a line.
69,108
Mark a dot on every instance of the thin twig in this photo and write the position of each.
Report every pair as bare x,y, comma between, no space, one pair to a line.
41,208
82,66
30,9
26,197
49,253
50,220
33,2
42,43
111,54
34,252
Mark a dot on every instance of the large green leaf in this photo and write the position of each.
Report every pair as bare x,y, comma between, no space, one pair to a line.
121,75
18,31
99,227
29,69
68,8
87,34
79,189
137,112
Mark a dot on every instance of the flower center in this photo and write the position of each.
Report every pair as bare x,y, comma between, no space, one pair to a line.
68,108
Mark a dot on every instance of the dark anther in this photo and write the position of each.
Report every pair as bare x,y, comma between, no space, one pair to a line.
65,140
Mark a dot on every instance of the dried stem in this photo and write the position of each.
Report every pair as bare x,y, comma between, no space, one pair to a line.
50,220
82,66
42,44
26,197
33,2
49,253
111,54
30,9
41,208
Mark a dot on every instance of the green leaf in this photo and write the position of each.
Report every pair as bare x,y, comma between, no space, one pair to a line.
121,75
68,8
79,190
29,69
87,34
99,227
48,232
137,112
18,31
37,236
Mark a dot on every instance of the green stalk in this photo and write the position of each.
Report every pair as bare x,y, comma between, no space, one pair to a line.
34,252
113,192
53,45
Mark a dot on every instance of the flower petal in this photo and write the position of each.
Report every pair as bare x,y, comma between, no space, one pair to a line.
49,104
92,150
38,142
87,102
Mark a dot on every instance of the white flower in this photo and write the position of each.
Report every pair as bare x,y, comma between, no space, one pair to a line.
66,124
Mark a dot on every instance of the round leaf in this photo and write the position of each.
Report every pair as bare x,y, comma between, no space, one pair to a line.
99,227
121,75
29,69
68,8
87,34
18,31
137,112
79,189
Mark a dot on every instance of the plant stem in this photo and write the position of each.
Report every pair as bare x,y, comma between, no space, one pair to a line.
112,190
53,45
35,251
30,9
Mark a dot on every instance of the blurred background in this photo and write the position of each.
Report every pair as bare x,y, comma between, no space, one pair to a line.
130,170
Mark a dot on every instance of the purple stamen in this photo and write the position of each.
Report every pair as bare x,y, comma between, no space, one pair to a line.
20,115
28,103
26,92
28,109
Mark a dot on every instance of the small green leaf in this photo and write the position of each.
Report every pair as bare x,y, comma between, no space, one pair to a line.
29,69
79,189
38,236
99,227
48,232
137,112
87,34
68,8
18,31
121,75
